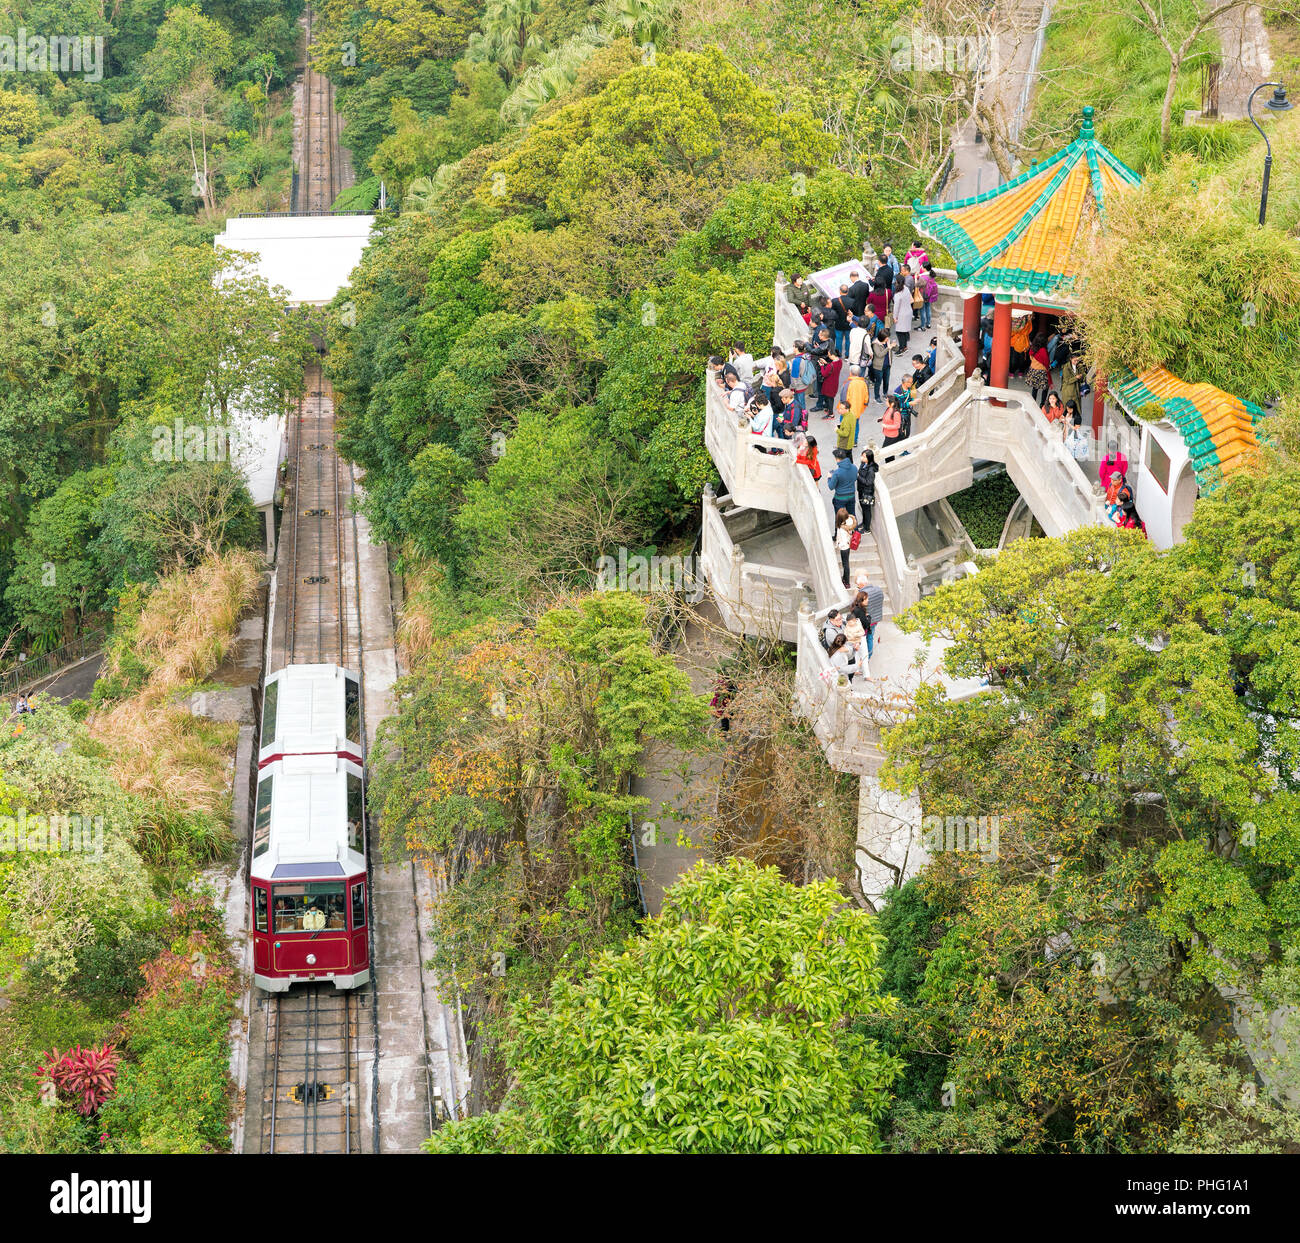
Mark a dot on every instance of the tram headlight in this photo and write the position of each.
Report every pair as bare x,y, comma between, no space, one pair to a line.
311,960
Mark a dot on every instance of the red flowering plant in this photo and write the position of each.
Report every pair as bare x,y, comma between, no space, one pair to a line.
86,1076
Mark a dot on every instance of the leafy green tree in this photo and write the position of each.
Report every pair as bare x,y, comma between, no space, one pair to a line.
728,1027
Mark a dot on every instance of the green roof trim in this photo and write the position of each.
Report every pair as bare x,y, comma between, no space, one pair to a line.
936,220
1131,393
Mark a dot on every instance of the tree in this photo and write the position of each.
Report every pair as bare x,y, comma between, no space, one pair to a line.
728,1027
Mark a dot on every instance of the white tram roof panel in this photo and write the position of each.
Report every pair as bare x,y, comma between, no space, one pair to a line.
303,824
305,711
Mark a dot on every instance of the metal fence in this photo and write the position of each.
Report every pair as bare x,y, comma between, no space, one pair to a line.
27,672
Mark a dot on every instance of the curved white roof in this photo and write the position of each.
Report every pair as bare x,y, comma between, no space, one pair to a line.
303,825
305,712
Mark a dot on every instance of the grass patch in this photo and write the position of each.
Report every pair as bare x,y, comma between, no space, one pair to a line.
984,506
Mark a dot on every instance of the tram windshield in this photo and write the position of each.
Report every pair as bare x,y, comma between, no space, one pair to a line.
309,907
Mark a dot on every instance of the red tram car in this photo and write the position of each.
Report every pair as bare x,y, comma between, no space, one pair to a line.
308,873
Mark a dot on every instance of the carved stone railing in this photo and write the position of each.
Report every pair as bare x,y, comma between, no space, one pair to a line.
902,578
942,388
931,464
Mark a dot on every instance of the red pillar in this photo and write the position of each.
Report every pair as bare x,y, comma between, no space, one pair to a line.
1001,362
970,331
1098,405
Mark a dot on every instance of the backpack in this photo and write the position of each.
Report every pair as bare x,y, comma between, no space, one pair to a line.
1124,496
801,372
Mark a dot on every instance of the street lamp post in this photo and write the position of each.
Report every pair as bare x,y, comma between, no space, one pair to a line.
1279,103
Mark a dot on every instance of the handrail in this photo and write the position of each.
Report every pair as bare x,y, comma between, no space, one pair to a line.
13,679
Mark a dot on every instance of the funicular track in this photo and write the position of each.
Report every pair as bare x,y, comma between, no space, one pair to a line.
312,1094
321,174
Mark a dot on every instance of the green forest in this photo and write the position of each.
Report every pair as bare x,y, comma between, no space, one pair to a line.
584,202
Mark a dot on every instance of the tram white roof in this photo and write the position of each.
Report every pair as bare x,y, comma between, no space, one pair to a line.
310,703
308,832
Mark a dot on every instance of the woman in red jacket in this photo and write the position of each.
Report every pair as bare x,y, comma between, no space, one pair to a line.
806,455
829,373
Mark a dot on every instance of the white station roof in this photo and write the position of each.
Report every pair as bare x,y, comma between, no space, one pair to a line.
310,256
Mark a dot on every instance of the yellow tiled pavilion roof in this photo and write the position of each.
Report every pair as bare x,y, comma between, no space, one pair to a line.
1019,238
1217,428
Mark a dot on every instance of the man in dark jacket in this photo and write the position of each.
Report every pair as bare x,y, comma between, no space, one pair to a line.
843,483
858,290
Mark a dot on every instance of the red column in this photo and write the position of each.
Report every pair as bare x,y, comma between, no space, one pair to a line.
1098,404
1001,363
970,331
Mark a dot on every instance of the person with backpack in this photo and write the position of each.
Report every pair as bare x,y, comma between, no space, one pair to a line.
867,471
842,482
803,372
929,293
845,528
878,371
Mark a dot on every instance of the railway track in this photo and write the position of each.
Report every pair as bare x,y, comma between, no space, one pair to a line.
311,1101
321,167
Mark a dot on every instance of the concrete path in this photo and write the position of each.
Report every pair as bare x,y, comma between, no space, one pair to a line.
673,833
1008,87
1246,59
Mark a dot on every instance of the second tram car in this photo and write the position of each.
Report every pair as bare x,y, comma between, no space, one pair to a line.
308,874
311,710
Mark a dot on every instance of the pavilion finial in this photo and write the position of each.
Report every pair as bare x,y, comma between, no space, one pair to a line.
1086,130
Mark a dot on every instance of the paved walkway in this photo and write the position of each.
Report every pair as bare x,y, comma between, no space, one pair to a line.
1246,59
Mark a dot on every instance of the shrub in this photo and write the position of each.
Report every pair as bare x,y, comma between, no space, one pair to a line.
85,1075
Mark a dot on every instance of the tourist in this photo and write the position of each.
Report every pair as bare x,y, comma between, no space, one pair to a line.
857,393
902,309
855,636
1054,410
760,417
842,316
715,371
1077,442
1021,337
1113,463
737,398
832,627
806,455
828,378
878,301
1073,374
858,291
929,293
23,705
803,375
842,482
893,422
743,361
845,523
1040,373
1112,496
887,256
775,377
859,338
867,471
916,258
798,293
932,359
878,372
905,393
843,657
846,427
921,371
875,606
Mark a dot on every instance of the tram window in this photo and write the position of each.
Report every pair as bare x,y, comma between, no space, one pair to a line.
259,909
352,709
355,836
262,819
359,905
309,907
269,702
